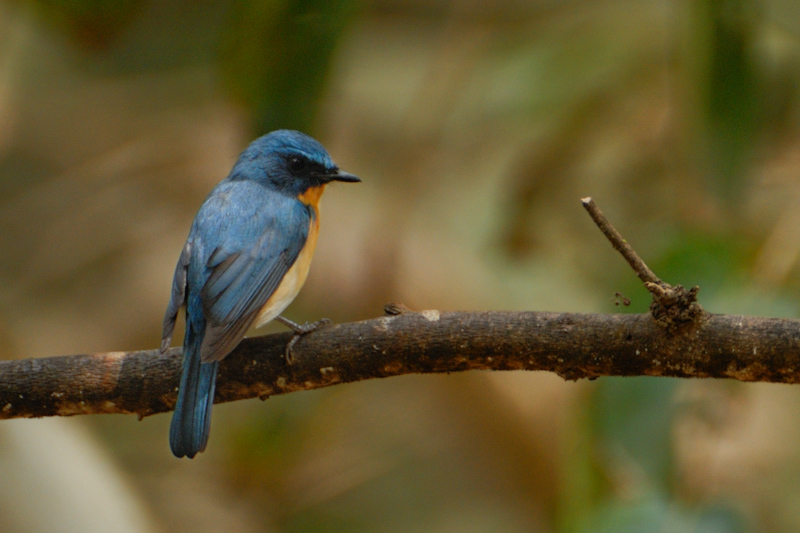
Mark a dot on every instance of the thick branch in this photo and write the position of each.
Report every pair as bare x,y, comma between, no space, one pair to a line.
572,345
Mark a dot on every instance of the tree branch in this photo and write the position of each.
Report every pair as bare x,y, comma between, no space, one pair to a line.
677,338
573,346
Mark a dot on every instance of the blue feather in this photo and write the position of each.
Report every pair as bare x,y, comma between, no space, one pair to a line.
246,236
188,432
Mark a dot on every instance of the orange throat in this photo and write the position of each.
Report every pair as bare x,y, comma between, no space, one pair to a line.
311,196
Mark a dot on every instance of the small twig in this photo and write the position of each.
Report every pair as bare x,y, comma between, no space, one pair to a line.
620,244
672,307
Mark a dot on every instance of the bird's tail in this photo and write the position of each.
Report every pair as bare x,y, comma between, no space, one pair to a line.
188,432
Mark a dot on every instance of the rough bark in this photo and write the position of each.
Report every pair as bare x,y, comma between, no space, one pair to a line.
574,346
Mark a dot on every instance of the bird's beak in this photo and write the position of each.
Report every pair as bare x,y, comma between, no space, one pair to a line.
344,176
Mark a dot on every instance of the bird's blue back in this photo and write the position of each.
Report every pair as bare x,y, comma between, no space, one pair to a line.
245,237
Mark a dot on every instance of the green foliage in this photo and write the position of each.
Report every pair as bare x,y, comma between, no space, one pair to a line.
732,91
276,56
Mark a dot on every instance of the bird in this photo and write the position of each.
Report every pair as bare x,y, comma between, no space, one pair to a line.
246,258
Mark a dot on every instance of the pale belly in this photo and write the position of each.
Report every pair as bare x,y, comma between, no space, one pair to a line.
293,280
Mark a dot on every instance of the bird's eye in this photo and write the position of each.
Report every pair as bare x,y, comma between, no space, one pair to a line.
296,164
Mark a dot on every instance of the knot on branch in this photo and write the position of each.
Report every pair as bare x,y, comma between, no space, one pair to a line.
674,307
394,309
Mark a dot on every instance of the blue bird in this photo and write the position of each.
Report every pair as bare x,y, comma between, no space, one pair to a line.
246,258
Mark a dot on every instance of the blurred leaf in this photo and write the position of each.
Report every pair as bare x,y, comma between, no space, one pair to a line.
276,56
710,261
265,445
721,519
625,457
650,514
654,513
630,430
721,266
633,427
732,92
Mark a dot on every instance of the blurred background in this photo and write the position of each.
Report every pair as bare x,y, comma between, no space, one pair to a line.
476,126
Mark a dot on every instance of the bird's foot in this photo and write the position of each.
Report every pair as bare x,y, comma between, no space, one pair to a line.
299,331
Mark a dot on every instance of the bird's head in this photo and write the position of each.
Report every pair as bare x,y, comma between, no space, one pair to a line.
290,162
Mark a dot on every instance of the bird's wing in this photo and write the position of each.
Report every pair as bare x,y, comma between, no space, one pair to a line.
245,267
178,297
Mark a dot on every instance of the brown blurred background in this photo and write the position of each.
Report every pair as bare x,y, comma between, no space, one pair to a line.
477,126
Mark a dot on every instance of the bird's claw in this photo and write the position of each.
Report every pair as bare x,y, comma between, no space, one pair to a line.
299,331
